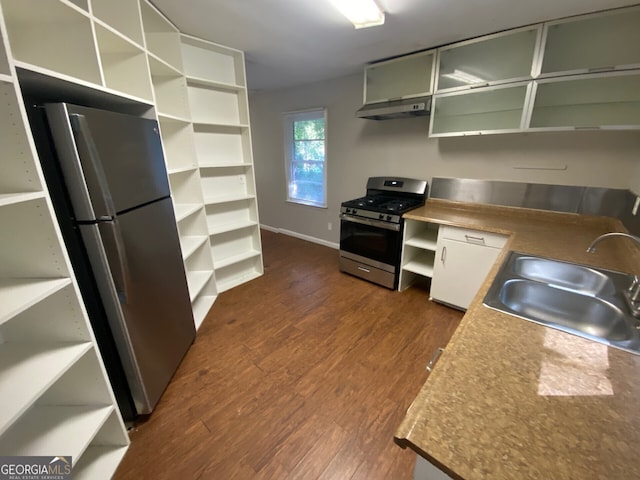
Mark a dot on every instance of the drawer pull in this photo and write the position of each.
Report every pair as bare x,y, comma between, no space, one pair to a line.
471,238
366,270
434,359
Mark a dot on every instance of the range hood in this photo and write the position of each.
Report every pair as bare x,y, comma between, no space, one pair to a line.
408,107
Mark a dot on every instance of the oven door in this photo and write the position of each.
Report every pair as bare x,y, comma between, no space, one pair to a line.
370,249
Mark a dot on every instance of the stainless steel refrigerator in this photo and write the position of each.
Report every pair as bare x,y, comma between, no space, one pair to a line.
114,179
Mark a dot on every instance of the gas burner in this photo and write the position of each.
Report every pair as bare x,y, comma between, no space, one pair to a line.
398,205
367,202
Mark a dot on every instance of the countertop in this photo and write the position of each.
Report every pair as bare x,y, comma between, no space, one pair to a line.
511,399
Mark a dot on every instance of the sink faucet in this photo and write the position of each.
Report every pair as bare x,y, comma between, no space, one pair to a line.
592,247
632,293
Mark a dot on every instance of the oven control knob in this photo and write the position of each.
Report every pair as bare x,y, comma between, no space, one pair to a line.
389,218
381,217
353,211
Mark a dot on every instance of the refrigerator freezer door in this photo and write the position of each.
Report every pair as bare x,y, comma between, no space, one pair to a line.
152,320
120,157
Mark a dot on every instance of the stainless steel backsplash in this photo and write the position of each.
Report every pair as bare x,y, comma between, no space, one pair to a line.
611,202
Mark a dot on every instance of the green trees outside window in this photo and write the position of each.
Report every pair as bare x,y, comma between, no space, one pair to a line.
305,143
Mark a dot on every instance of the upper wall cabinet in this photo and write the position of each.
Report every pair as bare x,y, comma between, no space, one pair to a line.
571,74
504,57
498,109
596,101
405,77
599,42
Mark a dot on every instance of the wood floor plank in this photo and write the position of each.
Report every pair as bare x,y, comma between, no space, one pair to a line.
304,372
332,440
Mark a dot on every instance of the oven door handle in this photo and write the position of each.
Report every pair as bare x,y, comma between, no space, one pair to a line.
371,222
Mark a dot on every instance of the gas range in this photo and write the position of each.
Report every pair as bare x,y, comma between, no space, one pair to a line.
371,228
381,207
387,199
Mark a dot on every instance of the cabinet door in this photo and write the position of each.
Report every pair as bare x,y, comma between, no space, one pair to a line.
424,470
490,60
597,42
404,77
459,270
587,101
498,109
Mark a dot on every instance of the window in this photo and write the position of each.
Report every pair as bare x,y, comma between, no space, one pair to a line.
305,161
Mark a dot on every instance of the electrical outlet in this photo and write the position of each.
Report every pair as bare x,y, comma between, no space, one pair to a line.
634,210
330,226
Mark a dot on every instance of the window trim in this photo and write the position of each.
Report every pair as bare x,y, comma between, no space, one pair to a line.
288,120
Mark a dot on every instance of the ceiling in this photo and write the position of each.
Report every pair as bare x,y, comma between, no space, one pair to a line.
295,42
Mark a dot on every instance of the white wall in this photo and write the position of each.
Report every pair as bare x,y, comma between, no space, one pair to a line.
358,149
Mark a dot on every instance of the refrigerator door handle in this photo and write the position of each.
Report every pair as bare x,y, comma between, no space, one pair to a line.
117,257
96,239
86,146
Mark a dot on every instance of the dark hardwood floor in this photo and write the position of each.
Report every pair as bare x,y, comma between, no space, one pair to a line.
303,373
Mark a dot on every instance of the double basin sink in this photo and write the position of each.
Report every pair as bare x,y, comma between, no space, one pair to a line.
578,299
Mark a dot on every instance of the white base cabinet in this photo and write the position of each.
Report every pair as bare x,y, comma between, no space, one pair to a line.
418,252
424,470
463,260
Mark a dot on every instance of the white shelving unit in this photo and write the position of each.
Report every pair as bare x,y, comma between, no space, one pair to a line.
54,391
217,98
55,36
170,90
54,394
62,39
161,36
174,116
122,16
124,64
5,69
418,252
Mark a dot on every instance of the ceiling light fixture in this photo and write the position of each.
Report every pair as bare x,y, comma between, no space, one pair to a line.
362,13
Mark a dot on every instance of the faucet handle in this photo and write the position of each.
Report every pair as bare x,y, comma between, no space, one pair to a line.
635,281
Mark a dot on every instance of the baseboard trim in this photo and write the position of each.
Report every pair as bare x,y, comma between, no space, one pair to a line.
301,236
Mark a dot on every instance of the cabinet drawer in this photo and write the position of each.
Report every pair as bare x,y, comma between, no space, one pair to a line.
475,237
